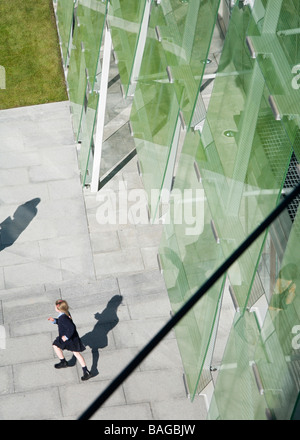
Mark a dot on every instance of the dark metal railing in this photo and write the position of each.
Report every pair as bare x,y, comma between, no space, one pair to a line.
187,306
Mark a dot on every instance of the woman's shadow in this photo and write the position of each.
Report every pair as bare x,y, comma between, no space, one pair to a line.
97,338
12,227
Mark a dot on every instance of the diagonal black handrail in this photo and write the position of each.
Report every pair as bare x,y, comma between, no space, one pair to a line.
187,306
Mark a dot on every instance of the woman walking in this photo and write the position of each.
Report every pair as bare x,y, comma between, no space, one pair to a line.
68,338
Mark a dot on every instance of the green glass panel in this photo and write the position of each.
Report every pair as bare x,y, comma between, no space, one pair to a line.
259,374
90,20
154,117
65,11
86,42
87,37
278,354
189,254
186,32
89,114
272,134
125,17
242,155
77,81
177,45
242,173
236,395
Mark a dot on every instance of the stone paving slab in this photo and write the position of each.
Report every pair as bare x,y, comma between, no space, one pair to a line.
141,411
16,310
37,375
150,306
26,349
76,398
18,254
30,273
111,361
114,263
153,386
41,404
165,356
136,333
6,380
179,408
30,327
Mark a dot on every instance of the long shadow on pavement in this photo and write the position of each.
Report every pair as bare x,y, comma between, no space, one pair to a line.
98,337
12,227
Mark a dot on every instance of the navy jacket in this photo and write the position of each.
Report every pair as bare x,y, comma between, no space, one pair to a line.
66,326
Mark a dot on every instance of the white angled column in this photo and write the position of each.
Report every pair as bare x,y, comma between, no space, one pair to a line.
101,110
140,48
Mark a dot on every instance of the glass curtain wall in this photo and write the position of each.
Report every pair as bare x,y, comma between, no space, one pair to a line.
86,26
177,44
241,161
125,19
87,129
259,374
154,113
186,33
64,17
242,177
189,253
277,352
86,43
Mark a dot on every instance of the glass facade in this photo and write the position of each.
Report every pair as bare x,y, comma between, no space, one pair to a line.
168,85
64,16
221,182
81,27
125,20
258,180
88,25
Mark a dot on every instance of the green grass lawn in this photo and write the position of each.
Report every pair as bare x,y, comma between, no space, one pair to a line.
30,54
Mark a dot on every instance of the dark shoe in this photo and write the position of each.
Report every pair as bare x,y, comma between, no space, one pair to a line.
63,364
86,376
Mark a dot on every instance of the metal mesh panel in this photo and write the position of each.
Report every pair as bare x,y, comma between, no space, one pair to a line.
291,180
